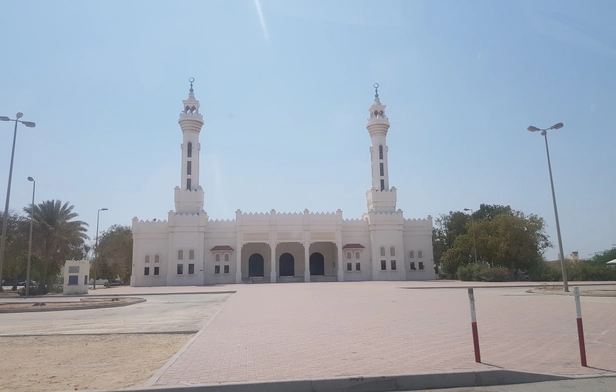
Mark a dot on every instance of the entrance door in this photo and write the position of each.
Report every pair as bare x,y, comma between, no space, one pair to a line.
317,264
255,265
287,265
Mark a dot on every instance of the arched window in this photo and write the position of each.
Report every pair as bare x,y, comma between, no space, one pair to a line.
217,257
412,254
226,257
157,259
147,259
189,150
180,255
191,254
419,254
348,255
189,168
357,255
381,152
382,251
392,251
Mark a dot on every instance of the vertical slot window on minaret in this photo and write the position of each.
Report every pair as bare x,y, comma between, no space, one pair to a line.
189,150
380,152
189,168
382,169
188,183
382,185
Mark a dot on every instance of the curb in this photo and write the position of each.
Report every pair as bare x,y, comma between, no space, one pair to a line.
41,309
171,293
17,335
530,286
374,383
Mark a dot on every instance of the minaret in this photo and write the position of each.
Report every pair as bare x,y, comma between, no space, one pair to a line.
380,198
189,195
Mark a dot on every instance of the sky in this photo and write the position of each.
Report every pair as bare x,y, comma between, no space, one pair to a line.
285,88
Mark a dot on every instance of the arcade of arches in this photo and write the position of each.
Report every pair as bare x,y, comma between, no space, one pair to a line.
289,260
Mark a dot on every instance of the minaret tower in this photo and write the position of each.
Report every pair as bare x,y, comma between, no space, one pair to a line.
189,195
381,198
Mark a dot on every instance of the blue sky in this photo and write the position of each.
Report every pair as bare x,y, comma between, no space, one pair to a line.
285,97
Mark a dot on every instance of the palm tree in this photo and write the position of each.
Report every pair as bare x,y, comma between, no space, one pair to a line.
57,237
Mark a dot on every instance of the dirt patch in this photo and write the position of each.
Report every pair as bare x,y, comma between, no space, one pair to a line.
85,303
81,362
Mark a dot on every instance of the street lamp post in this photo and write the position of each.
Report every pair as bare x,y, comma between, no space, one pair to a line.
544,133
30,242
28,124
96,246
474,236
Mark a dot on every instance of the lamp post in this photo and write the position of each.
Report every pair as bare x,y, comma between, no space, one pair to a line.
474,236
544,133
28,124
96,246
30,242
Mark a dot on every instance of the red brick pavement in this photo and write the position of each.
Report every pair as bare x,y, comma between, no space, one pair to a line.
323,330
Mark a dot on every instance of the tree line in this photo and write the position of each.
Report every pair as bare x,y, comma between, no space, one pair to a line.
57,236
498,243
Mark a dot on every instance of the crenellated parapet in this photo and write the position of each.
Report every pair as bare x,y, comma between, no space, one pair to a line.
419,224
149,226
382,200
188,218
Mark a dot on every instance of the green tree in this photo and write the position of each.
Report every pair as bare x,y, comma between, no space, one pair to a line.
603,257
16,247
115,254
58,237
448,228
509,240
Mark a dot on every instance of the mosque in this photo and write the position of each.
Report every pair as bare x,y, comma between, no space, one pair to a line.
273,247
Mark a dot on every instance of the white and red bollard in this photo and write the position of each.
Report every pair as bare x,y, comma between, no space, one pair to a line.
580,327
471,298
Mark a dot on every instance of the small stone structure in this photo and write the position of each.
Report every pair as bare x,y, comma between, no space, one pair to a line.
76,277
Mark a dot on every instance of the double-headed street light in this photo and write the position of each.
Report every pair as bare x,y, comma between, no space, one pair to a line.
474,236
544,133
30,242
5,220
96,246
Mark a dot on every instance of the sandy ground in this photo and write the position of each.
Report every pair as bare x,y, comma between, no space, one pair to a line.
80,362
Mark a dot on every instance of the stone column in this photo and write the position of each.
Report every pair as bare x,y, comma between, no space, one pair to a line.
273,261
339,246
306,260
238,261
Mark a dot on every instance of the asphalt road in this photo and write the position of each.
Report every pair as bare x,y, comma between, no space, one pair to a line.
160,313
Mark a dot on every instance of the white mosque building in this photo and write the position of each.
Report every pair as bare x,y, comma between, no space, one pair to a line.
273,247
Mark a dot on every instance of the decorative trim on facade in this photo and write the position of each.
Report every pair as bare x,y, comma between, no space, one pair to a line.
221,247
353,246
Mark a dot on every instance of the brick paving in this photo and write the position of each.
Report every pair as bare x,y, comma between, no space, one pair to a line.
324,330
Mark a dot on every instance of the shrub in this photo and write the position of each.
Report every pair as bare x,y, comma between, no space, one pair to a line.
545,272
471,272
495,274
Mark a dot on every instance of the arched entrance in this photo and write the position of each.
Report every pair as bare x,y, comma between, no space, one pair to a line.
255,265
317,264
287,264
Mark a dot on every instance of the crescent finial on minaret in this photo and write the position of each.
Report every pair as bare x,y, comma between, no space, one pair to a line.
376,90
191,80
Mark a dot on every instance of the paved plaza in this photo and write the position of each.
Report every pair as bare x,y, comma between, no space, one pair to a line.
327,330
272,332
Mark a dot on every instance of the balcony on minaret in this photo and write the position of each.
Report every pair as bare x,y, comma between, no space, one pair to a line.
378,121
